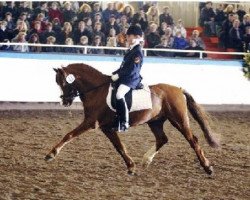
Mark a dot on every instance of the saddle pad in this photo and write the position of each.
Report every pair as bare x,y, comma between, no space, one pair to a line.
141,99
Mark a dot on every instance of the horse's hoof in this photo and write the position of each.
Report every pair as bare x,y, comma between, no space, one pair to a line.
132,173
209,170
146,163
49,158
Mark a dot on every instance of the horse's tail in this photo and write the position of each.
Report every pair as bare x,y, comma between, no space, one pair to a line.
201,117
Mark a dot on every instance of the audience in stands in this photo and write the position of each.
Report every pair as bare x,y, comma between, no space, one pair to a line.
193,45
87,23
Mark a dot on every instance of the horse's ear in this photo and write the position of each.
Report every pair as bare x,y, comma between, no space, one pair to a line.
55,69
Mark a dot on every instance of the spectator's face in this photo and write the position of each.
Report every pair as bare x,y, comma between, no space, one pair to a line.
45,5
112,20
97,17
153,28
34,39
2,26
110,6
248,31
231,18
142,13
85,9
89,22
166,10
81,26
98,27
25,4
236,24
164,41
84,40
178,34
49,28
21,37
164,25
54,6
127,9
112,32
208,5
97,41
124,20
67,6
23,17
37,26
8,17
97,7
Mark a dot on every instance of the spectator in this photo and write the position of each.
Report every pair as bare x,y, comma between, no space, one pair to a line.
236,36
169,33
88,23
246,39
110,10
141,19
229,10
163,28
85,12
153,15
179,43
20,38
49,32
195,36
55,12
165,44
129,12
40,18
68,14
81,30
4,32
24,8
65,33
112,25
97,43
207,19
96,9
10,23
98,19
56,24
121,37
112,42
180,28
240,12
97,32
5,47
153,37
51,41
166,17
20,27
9,8
219,17
37,29
245,23
83,42
123,22
43,8
69,41
23,17
34,39
193,46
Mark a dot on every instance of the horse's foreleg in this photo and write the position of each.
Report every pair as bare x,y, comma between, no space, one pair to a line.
115,140
86,125
161,139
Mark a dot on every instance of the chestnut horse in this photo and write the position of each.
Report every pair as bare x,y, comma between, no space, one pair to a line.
168,103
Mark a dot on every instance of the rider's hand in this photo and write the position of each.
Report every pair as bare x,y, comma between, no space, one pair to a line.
115,77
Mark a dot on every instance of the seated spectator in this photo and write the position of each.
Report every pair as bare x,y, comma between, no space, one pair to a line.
55,12
96,9
81,30
5,47
51,41
166,17
37,29
24,8
118,6
88,23
98,18
163,28
197,39
40,18
240,12
20,38
246,39
10,23
245,23
43,8
49,32
129,12
97,42
236,36
68,14
112,25
23,17
224,34
5,34
220,17
165,44
65,33
152,37
112,42
169,33
20,27
97,32
34,39
69,41
229,10
153,15
141,19
179,43
57,27
180,28
83,42
207,19
193,46
110,10
84,12
121,37
8,8
123,22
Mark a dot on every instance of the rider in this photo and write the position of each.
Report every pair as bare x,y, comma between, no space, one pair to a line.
128,76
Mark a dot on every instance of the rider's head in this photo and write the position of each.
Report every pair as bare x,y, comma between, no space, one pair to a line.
134,34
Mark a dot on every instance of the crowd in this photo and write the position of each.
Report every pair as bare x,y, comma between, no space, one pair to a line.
87,23
231,25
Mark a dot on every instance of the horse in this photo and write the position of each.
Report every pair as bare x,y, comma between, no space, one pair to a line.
168,103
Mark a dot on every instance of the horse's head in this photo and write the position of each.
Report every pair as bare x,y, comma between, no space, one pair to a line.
66,82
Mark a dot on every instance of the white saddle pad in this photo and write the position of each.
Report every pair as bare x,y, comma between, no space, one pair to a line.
141,99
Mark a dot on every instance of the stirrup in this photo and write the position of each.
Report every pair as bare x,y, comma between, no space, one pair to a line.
123,127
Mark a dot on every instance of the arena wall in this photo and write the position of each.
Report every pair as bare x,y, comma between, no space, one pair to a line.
30,78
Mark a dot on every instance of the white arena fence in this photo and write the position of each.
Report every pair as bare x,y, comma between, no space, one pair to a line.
145,50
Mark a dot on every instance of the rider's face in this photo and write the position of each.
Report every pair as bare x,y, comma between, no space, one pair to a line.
130,39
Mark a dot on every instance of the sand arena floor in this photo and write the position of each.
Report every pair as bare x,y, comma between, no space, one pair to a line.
90,168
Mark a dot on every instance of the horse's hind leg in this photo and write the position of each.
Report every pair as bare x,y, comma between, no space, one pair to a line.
182,124
115,140
161,139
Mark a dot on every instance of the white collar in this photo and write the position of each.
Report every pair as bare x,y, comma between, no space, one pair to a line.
136,42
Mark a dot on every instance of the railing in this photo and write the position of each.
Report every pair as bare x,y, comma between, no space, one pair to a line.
145,50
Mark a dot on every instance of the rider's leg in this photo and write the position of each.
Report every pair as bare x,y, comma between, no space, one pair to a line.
122,109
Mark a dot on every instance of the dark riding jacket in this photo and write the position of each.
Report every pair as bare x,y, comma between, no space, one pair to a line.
129,71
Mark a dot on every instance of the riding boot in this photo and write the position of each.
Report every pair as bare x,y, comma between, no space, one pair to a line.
123,115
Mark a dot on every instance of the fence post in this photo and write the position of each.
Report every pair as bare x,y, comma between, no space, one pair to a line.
85,50
145,52
201,54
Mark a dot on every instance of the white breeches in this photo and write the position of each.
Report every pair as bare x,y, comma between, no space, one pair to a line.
122,91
